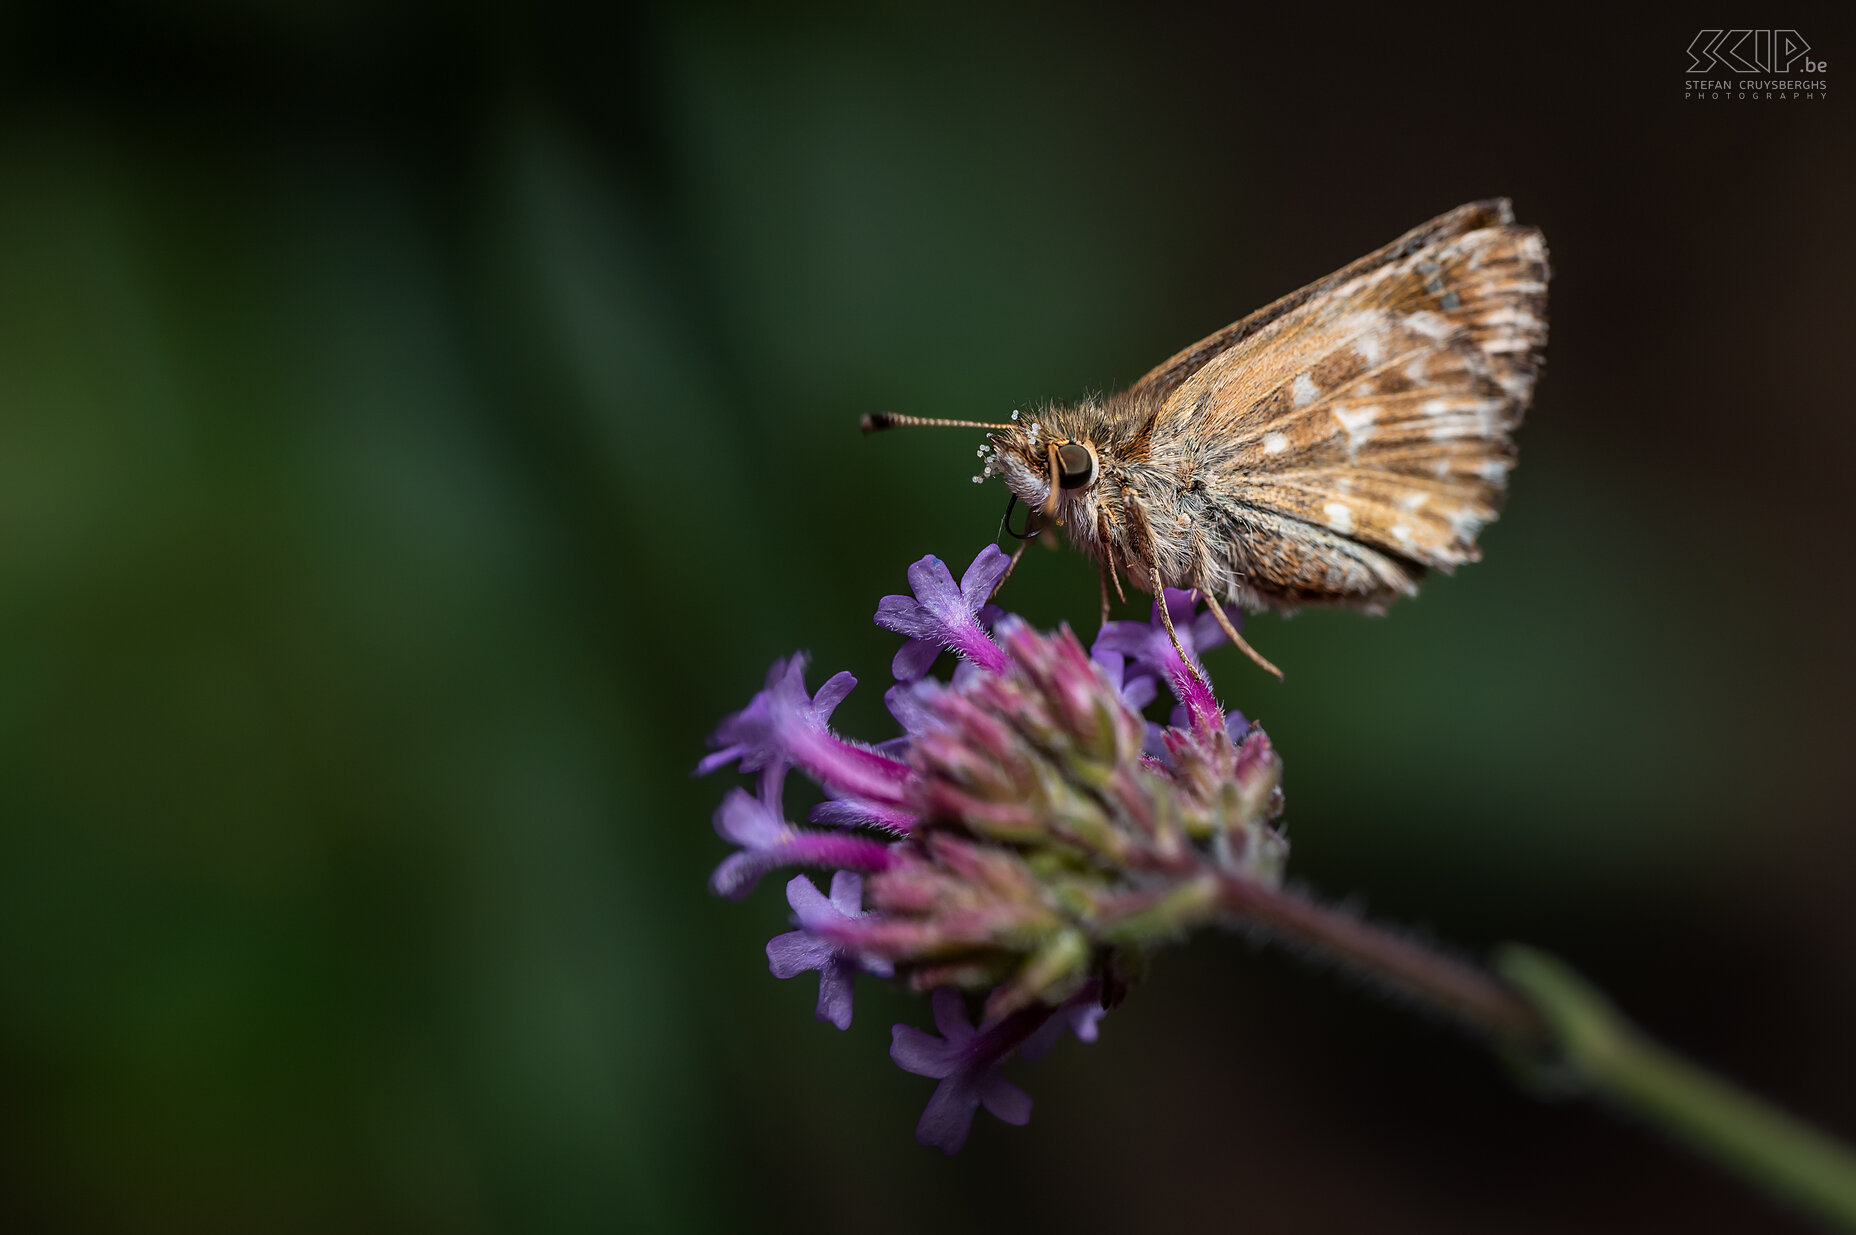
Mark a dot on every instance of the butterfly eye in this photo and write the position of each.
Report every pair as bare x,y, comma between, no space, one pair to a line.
1076,467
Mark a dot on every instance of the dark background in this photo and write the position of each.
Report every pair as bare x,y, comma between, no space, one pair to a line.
419,424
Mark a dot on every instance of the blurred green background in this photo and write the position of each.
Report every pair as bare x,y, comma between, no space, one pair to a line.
420,423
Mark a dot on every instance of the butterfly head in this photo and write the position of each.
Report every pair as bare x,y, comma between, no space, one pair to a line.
1047,459
1045,466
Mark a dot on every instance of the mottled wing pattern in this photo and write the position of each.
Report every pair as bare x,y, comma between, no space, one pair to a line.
1365,430
1164,378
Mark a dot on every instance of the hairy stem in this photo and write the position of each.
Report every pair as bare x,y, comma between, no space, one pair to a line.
1468,994
1544,1012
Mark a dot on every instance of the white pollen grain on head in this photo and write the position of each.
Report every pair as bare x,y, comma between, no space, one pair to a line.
1275,443
1305,390
1340,516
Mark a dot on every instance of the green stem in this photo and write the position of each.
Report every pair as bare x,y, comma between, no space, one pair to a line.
1784,1156
1541,1010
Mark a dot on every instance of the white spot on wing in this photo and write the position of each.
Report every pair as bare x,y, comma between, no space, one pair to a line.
1413,501
1371,347
1340,516
1401,533
1430,325
1275,443
1358,422
1466,524
1305,390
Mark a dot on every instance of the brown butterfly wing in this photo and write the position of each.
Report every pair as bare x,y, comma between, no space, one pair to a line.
1364,430
1164,378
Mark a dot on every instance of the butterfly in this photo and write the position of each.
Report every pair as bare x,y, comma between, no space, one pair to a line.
1328,449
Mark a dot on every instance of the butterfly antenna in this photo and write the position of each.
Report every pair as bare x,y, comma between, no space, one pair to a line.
874,422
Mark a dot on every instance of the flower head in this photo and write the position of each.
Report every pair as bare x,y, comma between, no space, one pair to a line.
1030,838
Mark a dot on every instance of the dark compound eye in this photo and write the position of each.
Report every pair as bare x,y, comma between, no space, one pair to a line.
1076,467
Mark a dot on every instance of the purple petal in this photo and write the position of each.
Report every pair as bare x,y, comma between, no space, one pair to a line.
746,820
798,952
740,871
834,992
933,585
950,1015
916,657
908,703
807,901
976,586
1005,1100
830,695
964,673
1140,692
920,1052
721,758
906,616
847,893
949,1115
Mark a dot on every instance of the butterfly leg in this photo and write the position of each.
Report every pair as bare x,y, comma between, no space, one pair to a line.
1166,619
1243,645
1105,537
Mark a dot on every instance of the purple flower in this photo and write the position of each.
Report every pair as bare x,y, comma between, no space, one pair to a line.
800,951
941,615
783,725
1027,838
768,841
966,1062
1150,652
